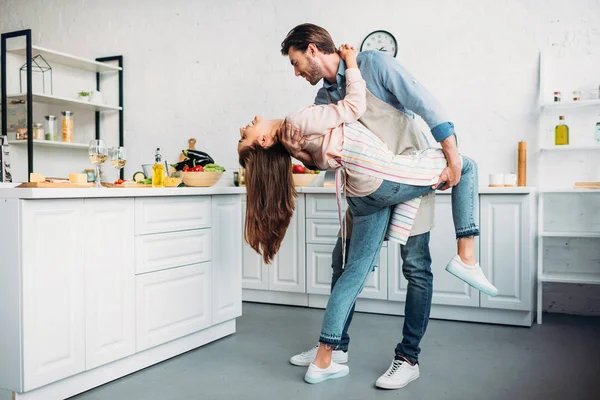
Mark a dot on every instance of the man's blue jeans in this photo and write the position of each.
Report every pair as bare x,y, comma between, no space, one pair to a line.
371,215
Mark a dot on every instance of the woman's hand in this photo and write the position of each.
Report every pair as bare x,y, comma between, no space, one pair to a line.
292,142
348,54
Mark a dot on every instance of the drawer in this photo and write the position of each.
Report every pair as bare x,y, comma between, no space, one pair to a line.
169,250
322,231
169,214
171,304
322,206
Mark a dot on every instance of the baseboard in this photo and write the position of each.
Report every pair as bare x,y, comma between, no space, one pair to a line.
284,298
96,377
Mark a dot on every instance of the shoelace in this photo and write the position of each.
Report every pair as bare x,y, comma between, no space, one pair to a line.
397,364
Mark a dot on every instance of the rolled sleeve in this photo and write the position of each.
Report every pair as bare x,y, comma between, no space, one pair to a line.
443,131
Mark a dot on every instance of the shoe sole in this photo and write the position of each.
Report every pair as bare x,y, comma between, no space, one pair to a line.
457,273
306,364
391,387
323,378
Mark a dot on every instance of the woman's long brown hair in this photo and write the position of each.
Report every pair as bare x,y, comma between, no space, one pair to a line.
271,197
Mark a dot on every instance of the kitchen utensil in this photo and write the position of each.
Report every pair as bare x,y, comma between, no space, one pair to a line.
510,180
236,179
201,179
496,180
147,168
65,185
587,185
98,153
522,164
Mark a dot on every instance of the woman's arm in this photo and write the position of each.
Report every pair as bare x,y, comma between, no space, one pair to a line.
320,119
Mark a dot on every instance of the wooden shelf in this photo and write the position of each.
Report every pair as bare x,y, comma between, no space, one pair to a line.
63,101
49,143
68,60
571,277
571,234
571,104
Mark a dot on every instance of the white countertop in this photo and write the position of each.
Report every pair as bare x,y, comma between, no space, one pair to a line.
60,193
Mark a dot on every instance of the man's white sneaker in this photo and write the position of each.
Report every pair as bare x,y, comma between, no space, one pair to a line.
398,375
304,359
473,275
315,374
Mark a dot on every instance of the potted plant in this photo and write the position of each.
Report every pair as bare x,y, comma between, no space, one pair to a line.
83,96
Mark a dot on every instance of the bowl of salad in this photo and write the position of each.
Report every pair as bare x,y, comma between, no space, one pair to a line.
202,176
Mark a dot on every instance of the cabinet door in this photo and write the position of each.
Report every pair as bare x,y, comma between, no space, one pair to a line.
254,272
226,262
109,280
287,273
319,271
53,290
447,289
172,303
505,250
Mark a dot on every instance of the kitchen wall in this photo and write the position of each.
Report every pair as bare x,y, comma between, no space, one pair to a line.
204,68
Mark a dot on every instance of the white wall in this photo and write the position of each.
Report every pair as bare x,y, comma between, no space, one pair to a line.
204,68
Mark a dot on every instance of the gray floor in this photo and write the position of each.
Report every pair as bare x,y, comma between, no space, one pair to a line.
557,360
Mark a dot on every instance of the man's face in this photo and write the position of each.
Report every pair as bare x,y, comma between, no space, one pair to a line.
306,65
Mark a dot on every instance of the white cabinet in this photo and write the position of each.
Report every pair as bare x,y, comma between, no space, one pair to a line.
109,280
53,290
318,273
170,214
505,251
227,263
172,303
287,272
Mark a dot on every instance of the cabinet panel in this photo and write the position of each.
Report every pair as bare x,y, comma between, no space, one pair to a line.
169,214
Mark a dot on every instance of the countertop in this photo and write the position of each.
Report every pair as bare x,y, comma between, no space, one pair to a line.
60,193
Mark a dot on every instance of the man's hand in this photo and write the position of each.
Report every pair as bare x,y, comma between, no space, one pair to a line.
292,142
449,176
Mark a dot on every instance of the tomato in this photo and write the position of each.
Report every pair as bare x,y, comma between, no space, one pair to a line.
186,168
197,168
298,169
119,181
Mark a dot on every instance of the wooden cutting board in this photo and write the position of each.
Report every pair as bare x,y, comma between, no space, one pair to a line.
64,185
587,185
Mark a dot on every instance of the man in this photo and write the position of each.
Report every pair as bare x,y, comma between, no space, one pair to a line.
393,97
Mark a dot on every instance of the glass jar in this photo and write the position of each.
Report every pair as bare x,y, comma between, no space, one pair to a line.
67,126
576,95
557,97
51,127
38,131
21,134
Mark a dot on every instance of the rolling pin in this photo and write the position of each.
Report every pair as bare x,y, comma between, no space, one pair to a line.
522,164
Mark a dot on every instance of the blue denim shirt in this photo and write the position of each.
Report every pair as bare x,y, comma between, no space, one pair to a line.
390,82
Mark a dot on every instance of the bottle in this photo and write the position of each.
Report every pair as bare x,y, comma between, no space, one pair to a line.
158,171
51,127
561,132
67,126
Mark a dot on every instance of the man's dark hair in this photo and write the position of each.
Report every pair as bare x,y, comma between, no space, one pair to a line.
301,36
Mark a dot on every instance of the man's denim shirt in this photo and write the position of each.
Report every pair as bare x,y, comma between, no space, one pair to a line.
390,82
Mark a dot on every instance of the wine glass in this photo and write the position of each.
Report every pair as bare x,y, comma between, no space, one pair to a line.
98,153
118,157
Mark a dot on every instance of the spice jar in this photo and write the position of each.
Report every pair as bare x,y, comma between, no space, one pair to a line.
21,134
67,126
576,95
51,127
38,131
557,97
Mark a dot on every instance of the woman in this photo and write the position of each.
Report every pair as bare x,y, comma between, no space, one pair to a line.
373,178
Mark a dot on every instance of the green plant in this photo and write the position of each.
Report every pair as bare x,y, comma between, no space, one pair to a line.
84,94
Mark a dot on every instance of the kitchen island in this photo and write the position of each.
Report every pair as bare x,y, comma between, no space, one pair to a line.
98,283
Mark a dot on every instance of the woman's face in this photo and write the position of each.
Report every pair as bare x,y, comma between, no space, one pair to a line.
257,130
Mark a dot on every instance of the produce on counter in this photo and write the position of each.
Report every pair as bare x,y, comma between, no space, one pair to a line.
198,155
171,181
213,168
139,176
301,169
147,181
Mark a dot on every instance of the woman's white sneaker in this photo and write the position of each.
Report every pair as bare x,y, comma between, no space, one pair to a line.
304,359
315,374
473,275
399,374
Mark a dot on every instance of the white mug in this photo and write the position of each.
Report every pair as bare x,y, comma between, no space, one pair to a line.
496,180
510,179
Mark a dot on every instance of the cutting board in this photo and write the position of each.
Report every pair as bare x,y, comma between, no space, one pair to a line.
64,185
133,185
587,185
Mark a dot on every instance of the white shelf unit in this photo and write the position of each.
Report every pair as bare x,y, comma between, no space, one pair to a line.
68,60
50,143
64,101
567,70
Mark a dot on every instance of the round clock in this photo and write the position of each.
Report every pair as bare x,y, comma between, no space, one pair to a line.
382,41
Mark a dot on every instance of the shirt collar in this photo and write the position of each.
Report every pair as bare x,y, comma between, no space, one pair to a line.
341,74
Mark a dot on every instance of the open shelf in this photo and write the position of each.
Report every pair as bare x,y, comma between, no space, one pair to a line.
570,148
571,277
571,234
62,101
569,190
68,60
571,104
49,143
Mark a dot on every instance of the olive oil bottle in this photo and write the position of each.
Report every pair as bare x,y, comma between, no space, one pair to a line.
158,171
561,132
